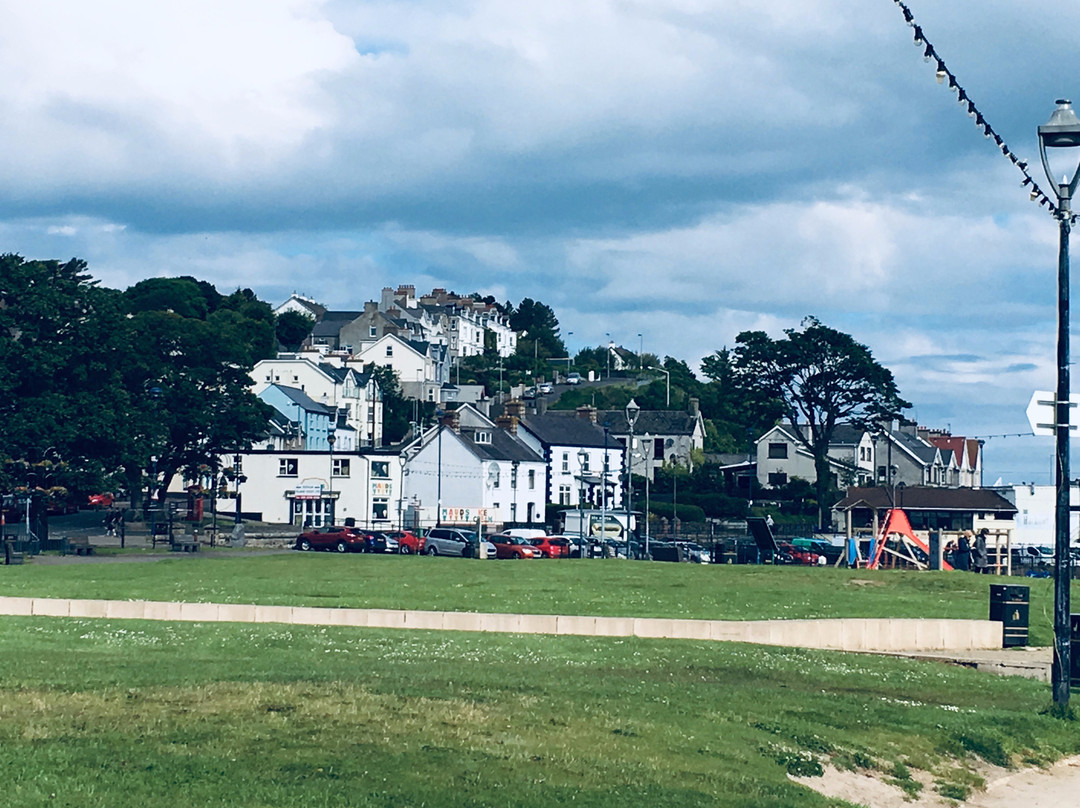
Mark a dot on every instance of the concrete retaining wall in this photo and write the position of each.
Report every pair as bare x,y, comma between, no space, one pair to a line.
850,634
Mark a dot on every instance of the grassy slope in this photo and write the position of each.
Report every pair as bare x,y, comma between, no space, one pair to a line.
102,713
544,587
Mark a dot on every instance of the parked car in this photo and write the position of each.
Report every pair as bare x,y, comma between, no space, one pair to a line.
573,378
100,500
545,388
553,546
798,555
529,394
339,539
408,542
378,542
693,552
455,542
831,552
512,547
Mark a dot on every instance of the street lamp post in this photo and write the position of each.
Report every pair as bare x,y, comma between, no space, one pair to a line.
603,491
401,493
514,464
667,374
331,438
608,357
1062,131
582,457
632,410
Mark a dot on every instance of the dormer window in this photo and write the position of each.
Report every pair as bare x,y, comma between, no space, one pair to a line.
483,437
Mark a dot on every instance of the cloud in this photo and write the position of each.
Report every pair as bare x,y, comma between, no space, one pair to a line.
679,169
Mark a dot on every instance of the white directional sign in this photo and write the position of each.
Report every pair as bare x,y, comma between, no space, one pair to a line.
1042,412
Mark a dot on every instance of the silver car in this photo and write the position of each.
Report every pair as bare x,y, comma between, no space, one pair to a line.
453,541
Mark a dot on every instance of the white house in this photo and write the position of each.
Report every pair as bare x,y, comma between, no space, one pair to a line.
573,447
467,469
354,393
316,488
419,374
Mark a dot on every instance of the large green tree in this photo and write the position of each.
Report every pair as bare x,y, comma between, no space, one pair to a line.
822,378
189,379
63,402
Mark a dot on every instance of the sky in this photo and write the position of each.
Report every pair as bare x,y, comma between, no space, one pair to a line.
681,170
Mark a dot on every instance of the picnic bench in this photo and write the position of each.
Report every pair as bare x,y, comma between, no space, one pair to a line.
78,545
185,544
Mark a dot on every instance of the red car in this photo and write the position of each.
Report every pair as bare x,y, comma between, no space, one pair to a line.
551,546
100,500
512,547
339,539
799,555
408,543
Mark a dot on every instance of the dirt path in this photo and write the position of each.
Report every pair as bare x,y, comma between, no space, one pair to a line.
1054,787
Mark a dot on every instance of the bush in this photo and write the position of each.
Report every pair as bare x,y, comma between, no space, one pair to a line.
687,513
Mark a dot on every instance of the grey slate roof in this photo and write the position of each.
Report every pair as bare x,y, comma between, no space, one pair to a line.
303,400
566,428
920,498
649,422
503,446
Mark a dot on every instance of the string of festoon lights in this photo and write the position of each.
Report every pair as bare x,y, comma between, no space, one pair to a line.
944,75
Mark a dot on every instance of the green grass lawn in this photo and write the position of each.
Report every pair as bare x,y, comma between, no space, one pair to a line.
118,713
114,713
593,587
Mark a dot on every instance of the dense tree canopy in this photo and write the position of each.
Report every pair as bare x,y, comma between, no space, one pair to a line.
821,378
539,330
95,382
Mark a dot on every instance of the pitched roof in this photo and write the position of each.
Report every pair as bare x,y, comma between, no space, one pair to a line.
649,422
566,428
302,399
920,498
958,447
503,446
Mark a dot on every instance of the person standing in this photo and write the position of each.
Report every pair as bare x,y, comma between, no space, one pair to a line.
980,560
962,556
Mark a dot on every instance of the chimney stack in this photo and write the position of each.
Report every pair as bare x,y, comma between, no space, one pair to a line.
508,423
588,412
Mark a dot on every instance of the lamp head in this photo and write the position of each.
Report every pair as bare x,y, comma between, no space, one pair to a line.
632,410
1062,131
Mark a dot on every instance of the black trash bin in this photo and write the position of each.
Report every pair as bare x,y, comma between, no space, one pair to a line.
1009,605
1074,654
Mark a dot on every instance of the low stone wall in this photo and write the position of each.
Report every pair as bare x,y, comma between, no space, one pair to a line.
851,634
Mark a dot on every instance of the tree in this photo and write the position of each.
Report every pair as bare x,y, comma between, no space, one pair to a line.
292,328
737,415
822,378
188,382
398,412
63,403
539,328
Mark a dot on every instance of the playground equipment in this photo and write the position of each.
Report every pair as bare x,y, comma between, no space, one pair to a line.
906,547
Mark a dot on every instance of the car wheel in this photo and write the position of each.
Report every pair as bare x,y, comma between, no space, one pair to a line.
305,545
431,551
404,549
341,547
466,551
